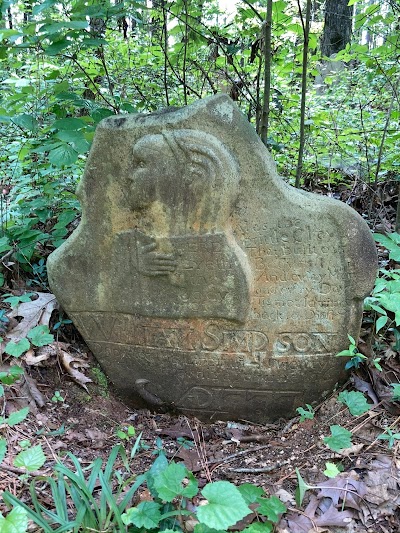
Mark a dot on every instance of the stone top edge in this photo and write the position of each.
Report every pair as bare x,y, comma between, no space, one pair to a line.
220,106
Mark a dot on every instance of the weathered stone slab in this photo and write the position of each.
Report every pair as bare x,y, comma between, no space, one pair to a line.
199,279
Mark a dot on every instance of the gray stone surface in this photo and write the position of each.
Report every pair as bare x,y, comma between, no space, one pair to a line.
199,279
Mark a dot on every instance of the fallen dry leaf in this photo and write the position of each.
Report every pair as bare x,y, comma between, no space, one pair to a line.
33,313
70,363
33,359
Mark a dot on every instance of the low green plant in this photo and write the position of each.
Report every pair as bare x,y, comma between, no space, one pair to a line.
96,499
126,433
306,414
385,297
390,436
57,397
356,357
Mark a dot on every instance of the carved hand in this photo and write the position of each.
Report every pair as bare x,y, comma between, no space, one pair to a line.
152,263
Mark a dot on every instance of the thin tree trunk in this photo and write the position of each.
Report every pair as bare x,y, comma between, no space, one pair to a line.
267,31
306,33
10,20
186,39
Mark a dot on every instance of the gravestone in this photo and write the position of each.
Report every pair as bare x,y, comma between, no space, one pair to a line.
199,279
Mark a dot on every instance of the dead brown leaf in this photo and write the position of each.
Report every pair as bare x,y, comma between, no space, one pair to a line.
70,364
33,313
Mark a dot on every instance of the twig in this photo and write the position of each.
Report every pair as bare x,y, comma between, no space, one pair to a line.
20,471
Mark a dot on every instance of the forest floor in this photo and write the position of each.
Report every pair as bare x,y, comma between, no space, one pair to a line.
68,413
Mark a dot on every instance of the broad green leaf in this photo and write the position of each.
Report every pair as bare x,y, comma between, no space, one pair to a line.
3,449
31,459
65,25
396,391
1,391
55,48
75,137
16,349
17,416
331,470
146,515
271,507
15,522
250,492
170,483
381,322
63,155
41,336
340,438
225,506
26,121
69,124
355,401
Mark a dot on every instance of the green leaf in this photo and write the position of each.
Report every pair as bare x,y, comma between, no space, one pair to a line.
3,449
250,492
272,508
225,506
31,459
69,124
15,300
159,465
351,339
169,484
17,416
302,488
4,244
16,349
12,375
75,137
381,322
15,522
146,515
41,336
396,391
26,121
340,439
331,470
63,155
306,414
55,48
355,401
202,528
